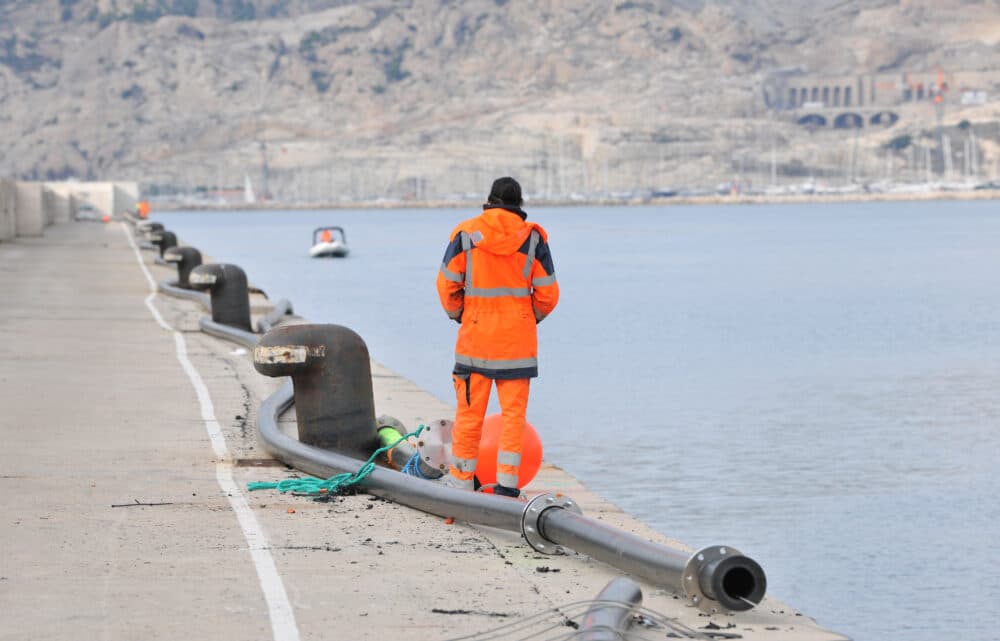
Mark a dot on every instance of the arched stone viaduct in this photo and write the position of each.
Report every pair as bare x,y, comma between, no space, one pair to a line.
868,100
812,91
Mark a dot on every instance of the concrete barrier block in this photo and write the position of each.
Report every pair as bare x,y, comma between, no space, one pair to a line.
111,198
49,206
126,196
62,212
8,200
30,209
99,195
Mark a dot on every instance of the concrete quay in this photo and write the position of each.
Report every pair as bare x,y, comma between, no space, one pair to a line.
128,441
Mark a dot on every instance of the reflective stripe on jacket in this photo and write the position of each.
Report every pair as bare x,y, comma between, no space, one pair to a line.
497,279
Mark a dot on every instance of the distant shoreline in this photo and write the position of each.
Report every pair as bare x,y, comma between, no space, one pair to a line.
714,199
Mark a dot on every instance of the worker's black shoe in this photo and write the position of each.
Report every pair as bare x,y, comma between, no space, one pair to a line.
503,490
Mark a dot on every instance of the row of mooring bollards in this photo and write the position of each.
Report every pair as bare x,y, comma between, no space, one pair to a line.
335,406
334,401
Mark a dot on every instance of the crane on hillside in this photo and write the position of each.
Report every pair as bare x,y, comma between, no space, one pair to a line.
944,144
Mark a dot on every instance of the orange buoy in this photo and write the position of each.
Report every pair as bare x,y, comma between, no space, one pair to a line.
531,452
105,218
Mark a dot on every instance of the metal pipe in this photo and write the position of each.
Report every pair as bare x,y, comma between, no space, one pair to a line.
172,289
281,309
607,618
716,579
427,496
235,334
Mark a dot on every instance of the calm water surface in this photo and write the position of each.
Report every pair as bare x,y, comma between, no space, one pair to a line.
818,386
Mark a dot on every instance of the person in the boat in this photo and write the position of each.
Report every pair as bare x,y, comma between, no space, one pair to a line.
326,236
498,282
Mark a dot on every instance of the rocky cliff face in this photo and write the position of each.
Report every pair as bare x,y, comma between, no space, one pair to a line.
324,99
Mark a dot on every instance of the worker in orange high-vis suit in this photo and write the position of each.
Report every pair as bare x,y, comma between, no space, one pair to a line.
497,281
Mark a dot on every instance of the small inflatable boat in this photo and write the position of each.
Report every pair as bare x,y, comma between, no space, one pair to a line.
329,241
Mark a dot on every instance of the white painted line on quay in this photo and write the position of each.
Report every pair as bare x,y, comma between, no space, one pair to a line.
283,625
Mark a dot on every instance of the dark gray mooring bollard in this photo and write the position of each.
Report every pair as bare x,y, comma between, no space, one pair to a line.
332,381
227,285
154,236
168,239
157,237
187,258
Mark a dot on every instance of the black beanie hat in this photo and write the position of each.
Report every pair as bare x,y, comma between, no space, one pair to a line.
505,191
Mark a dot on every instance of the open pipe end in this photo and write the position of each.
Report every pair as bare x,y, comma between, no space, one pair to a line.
738,583
721,579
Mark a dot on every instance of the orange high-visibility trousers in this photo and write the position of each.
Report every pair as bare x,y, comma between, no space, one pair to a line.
472,393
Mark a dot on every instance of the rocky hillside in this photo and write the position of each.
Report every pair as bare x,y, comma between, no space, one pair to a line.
326,99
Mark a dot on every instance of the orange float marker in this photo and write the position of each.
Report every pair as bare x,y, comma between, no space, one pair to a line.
531,452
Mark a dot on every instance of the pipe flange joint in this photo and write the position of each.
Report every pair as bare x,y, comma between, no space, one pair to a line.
692,576
533,512
434,445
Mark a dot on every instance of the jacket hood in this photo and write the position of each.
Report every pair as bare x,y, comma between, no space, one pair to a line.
514,208
500,230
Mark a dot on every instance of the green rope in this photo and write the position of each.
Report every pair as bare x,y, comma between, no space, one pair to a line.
334,484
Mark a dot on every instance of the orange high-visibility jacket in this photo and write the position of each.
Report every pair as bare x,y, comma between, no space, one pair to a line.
498,281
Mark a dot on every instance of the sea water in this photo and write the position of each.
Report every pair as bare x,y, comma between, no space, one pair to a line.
817,385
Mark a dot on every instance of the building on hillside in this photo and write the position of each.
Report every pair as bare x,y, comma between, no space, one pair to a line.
795,90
